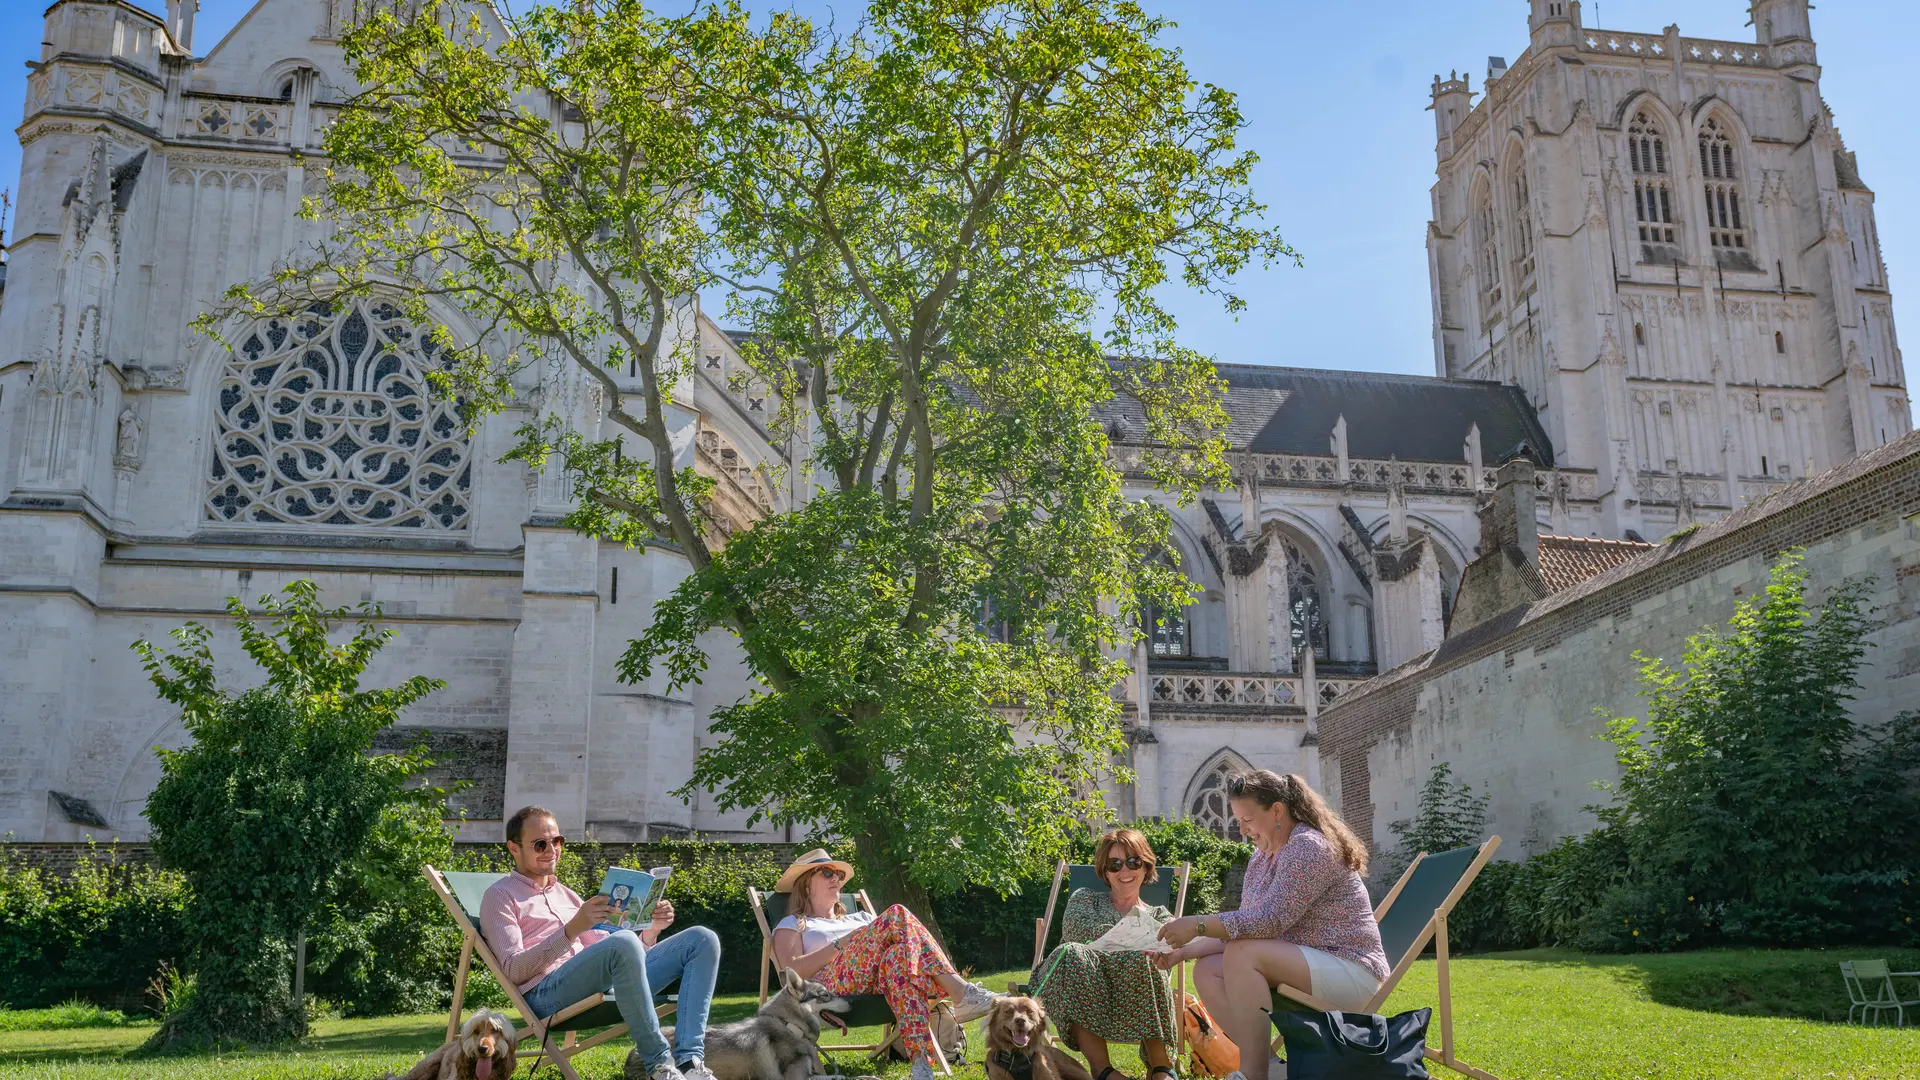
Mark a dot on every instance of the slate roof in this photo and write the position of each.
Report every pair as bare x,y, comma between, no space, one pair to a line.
1290,410
1412,417
1566,561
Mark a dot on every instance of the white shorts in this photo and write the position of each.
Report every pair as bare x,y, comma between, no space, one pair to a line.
1339,982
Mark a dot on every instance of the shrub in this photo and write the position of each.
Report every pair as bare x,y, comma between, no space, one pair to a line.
272,807
96,935
1754,808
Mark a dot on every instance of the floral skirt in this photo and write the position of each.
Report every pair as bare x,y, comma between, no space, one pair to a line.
1120,997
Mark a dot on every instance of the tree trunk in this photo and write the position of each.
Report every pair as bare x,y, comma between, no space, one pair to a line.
889,884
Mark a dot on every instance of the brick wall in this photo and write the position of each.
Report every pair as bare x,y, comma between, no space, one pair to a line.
1510,703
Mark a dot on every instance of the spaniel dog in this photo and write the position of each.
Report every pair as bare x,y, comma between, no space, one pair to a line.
482,1051
1019,1048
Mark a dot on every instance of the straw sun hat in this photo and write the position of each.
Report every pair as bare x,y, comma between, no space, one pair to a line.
812,860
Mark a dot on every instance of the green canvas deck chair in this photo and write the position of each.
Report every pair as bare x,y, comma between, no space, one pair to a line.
1412,914
868,1010
1169,892
461,892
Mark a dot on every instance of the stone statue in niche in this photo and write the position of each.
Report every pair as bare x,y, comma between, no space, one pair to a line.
129,433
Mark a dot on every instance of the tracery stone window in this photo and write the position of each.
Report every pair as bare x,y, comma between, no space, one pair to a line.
1652,180
326,419
1207,796
1522,224
1305,605
1725,228
1166,631
1489,248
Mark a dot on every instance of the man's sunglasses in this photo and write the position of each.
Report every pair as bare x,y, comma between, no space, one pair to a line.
541,845
1131,862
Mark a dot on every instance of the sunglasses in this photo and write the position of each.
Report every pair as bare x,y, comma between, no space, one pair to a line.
541,845
832,874
1131,862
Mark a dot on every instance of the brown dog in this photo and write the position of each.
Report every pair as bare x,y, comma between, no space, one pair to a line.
482,1051
1019,1048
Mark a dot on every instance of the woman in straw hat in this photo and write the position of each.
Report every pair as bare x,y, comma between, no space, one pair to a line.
854,952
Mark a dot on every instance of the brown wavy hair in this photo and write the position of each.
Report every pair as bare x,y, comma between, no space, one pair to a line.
1267,787
1129,842
800,900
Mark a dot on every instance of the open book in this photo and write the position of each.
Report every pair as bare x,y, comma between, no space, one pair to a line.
634,894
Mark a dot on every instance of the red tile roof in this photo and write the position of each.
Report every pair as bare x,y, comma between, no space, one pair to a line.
1566,561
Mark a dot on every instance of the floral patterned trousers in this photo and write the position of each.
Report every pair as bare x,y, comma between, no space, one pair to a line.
896,957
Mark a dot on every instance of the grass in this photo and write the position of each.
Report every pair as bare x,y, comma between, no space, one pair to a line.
74,1014
1538,1015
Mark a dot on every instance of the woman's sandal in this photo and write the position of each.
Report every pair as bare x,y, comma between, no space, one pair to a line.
1107,1072
1168,1069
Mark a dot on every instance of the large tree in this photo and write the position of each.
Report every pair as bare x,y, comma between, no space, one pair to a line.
941,223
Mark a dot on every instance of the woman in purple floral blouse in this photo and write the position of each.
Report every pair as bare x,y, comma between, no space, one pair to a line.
1304,916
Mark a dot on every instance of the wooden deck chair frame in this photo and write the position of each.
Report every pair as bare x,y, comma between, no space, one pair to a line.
1043,926
530,1027
1435,931
757,898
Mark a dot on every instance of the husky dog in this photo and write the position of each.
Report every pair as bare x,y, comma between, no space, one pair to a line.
781,1041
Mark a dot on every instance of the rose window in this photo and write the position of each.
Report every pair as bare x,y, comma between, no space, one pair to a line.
327,419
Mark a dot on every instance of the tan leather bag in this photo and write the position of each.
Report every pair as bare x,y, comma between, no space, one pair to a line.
1210,1052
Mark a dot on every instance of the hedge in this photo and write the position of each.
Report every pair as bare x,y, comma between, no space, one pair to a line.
102,933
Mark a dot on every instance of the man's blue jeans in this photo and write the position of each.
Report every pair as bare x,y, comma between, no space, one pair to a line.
632,971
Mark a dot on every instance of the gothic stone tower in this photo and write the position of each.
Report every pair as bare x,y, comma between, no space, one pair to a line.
1664,241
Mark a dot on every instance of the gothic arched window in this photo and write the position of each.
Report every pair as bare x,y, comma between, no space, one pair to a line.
1306,605
1522,223
1484,237
1725,227
1207,795
327,419
1167,628
1652,180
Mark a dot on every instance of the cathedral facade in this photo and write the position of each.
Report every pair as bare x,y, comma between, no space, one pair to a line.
1664,241
149,471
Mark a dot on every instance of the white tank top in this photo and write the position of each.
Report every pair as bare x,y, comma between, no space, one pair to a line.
821,932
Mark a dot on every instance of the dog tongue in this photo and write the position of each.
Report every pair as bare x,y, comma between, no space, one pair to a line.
835,1020
1019,1040
483,1069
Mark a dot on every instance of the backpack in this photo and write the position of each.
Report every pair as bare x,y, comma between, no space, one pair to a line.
1210,1052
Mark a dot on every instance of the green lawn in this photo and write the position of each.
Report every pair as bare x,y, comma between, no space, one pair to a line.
1539,1015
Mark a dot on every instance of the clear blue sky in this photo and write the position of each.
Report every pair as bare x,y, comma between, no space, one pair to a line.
1335,97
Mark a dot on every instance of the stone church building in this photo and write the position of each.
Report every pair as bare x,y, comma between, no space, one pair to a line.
1656,284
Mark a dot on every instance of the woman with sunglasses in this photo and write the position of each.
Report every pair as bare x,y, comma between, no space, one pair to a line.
1304,917
1096,998
855,952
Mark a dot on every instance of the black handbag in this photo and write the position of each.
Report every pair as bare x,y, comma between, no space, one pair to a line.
1354,1045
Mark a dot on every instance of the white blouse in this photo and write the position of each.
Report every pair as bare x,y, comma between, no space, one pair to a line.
821,932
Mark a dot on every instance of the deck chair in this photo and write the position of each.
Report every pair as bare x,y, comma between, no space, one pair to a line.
461,892
868,1010
1412,914
1162,893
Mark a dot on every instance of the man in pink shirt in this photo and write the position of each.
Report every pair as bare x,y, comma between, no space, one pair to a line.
543,934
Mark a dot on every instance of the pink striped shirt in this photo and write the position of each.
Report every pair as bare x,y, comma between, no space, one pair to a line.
525,926
1304,894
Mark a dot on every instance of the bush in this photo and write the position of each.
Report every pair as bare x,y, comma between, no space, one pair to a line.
95,936
276,804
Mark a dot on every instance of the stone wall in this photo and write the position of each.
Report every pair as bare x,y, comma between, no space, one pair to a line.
1514,703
